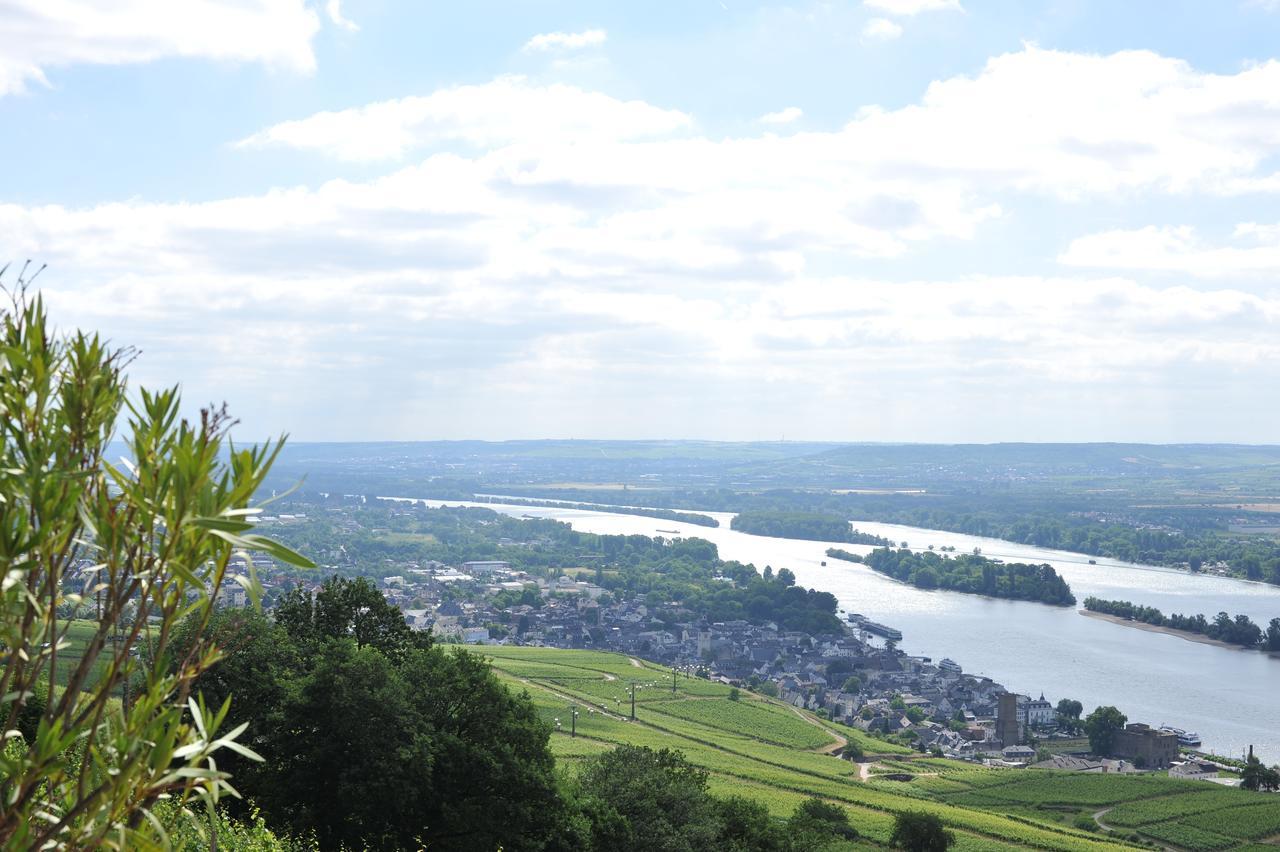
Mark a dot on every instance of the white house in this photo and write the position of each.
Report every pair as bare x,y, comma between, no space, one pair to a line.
471,635
1039,713
1019,754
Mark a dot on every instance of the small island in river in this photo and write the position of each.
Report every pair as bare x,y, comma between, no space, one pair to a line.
809,526
1223,631
970,573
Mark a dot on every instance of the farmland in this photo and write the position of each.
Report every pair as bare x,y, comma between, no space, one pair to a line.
1185,814
756,747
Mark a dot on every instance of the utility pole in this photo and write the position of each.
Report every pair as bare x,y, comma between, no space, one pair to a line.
673,680
633,700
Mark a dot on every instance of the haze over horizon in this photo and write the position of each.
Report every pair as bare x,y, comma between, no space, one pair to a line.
865,220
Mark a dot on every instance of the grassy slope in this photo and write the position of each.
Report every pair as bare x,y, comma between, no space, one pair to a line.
771,752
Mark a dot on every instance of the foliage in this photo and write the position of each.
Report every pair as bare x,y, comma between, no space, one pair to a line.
816,823
638,796
1101,726
1255,776
1237,631
974,574
140,546
812,526
347,608
917,831
383,741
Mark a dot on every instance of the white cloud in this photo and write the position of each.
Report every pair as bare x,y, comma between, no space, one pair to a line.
506,110
39,35
565,41
881,29
333,8
782,116
913,7
1180,249
1049,122
552,247
1075,125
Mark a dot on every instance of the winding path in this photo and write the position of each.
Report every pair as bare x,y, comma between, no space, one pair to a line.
840,740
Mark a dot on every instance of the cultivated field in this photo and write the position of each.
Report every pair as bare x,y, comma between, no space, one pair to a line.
770,751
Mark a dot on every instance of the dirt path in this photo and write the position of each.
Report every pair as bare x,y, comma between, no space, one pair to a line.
841,741
1098,815
636,662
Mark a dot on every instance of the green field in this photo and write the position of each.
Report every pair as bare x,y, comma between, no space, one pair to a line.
1192,815
767,750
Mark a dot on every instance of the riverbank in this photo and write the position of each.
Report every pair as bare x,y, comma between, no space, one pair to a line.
1170,631
1134,671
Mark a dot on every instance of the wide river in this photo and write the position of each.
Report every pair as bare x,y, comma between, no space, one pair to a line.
1230,697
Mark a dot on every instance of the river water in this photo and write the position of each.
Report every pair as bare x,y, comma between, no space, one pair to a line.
1230,697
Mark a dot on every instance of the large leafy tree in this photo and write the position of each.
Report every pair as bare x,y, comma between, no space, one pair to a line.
347,608
1101,726
133,548
917,831
638,797
376,738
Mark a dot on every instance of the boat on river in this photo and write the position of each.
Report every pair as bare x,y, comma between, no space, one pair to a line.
1190,739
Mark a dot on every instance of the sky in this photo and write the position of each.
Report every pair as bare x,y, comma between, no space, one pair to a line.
853,220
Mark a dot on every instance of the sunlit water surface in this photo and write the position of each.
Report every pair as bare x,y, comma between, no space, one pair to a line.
1230,697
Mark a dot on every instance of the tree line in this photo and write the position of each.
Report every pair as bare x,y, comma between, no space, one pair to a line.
812,526
1240,630
970,573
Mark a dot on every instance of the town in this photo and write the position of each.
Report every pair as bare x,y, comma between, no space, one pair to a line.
856,677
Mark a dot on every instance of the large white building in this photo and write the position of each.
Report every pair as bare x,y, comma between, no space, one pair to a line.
1038,713
474,568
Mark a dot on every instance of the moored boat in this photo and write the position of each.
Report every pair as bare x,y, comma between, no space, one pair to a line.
1190,739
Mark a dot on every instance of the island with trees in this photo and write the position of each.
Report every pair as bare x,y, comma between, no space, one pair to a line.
969,573
1239,630
810,526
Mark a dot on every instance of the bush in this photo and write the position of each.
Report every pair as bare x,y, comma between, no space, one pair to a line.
160,531
917,831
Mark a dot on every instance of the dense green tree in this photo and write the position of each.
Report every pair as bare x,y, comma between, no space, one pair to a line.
917,831
745,826
818,824
656,800
974,574
352,761
383,744
346,607
1101,726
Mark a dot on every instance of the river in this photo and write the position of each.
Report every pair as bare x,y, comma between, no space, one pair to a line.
1230,697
